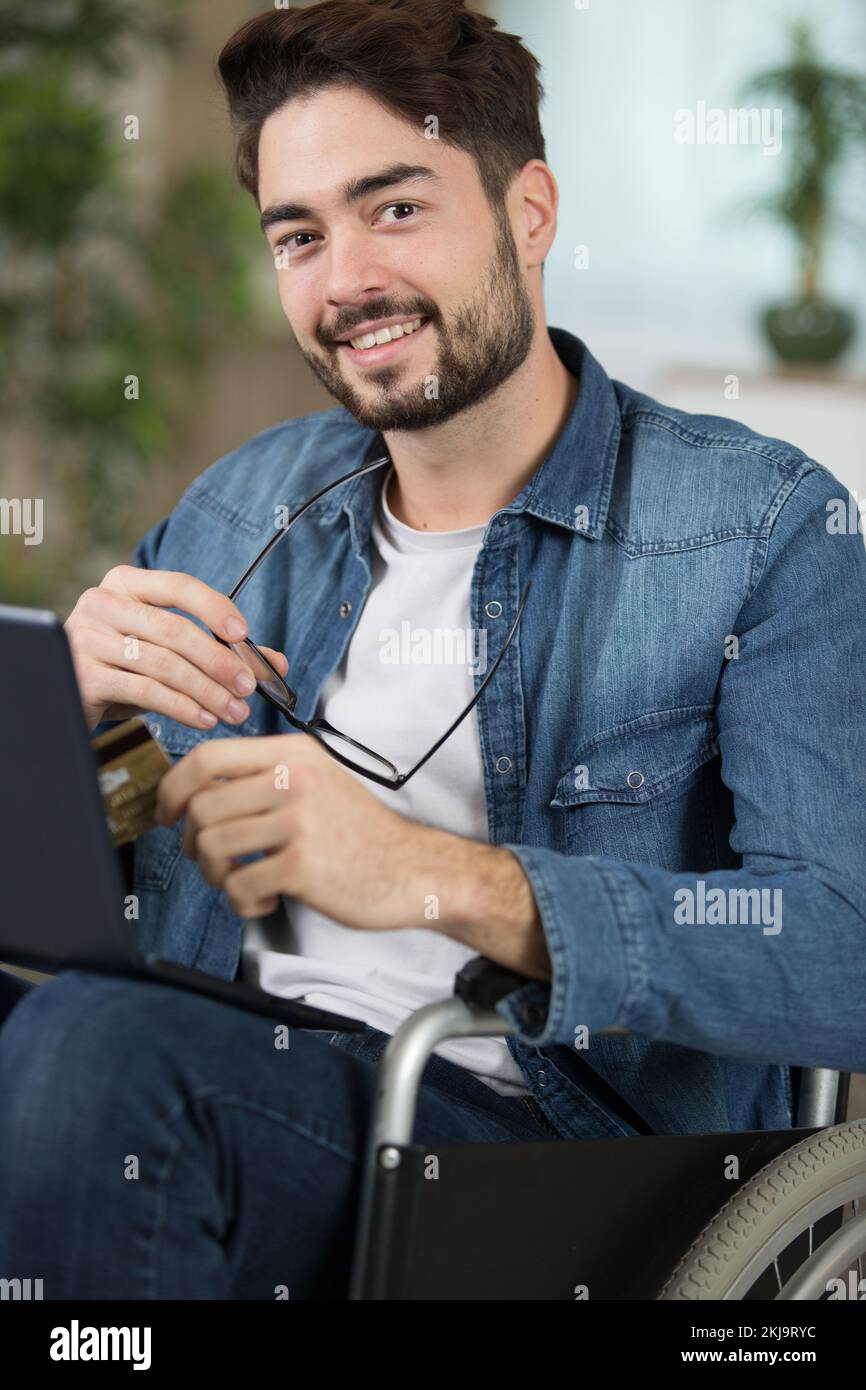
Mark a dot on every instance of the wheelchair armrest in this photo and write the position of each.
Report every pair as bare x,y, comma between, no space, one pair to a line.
468,1012
483,982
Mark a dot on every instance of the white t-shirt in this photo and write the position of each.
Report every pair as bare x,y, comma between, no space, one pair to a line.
406,675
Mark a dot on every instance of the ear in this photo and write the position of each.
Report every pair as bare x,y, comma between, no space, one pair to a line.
534,197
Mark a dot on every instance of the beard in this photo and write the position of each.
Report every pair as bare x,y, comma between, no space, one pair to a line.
480,345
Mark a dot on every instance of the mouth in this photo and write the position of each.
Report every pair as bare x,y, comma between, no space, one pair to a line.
385,345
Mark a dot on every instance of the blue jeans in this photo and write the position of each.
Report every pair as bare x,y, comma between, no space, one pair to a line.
157,1144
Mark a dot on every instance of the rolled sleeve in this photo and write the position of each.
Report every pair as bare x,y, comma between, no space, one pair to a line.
791,712
590,924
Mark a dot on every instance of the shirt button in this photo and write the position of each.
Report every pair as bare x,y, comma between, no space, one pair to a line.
493,609
541,1078
345,608
503,764
635,779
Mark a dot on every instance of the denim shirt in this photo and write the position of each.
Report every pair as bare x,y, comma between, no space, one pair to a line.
682,710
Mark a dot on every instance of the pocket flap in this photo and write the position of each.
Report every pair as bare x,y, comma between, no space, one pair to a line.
633,762
179,739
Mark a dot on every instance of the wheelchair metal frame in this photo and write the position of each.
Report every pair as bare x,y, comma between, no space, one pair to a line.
468,1013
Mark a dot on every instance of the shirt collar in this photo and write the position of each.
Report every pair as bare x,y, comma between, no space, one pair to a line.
571,488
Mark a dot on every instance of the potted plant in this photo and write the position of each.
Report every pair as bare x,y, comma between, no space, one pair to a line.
824,116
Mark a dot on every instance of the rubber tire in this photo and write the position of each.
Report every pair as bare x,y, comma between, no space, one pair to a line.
757,1210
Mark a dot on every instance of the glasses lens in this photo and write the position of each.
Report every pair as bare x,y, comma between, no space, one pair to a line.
362,757
265,677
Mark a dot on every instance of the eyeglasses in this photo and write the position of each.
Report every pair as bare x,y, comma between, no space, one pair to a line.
271,686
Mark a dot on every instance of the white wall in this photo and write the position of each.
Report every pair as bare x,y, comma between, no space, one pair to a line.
677,273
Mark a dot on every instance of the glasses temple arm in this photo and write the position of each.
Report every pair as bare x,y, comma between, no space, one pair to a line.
404,777
282,531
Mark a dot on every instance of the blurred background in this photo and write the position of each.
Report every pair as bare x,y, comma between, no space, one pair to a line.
712,262
715,265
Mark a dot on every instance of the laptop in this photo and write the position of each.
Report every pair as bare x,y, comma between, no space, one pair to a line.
62,888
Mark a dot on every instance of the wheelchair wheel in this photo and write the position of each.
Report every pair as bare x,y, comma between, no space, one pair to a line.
796,1230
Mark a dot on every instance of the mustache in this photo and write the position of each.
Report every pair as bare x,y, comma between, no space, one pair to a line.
331,337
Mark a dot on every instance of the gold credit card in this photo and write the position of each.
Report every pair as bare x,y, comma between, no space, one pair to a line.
130,766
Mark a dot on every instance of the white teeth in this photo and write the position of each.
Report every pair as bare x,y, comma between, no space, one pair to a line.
385,335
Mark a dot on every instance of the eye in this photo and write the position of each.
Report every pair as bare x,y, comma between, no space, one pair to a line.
290,238
411,206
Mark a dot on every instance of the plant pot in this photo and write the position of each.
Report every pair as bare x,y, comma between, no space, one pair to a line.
808,331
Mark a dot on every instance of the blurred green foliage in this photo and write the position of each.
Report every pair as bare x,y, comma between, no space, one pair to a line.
99,284
824,111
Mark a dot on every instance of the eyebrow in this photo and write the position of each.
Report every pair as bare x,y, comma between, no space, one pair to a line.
353,191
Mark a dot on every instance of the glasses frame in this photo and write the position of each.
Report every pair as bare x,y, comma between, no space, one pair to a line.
317,726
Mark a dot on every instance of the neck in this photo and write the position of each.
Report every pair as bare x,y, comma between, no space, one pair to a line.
459,473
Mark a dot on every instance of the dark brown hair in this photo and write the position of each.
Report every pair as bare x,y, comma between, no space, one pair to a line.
418,58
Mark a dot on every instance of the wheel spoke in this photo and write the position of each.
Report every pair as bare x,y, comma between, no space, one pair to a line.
835,1255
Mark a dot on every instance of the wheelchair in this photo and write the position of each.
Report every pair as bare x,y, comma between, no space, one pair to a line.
638,1217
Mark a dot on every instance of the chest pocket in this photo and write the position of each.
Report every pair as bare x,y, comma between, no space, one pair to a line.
637,791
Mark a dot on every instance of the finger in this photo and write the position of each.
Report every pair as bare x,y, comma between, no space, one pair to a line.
277,659
117,651
125,694
226,757
174,589
217,846
263,908
137,622
229,800
250,885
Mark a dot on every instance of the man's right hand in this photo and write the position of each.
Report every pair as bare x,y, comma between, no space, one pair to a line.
132,655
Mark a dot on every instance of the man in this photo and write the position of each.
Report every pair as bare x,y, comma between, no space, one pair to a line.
655,813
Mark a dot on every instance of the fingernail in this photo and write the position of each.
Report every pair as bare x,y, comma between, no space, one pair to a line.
207,718
245,683
236,631
237,710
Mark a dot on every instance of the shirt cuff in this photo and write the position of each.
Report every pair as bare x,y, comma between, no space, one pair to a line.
590,917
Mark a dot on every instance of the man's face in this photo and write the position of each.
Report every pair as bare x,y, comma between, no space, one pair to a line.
425,246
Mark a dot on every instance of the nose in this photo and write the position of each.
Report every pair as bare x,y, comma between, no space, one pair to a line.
353,271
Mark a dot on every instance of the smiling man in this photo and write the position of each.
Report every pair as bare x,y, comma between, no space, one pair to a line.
385,367
681,703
